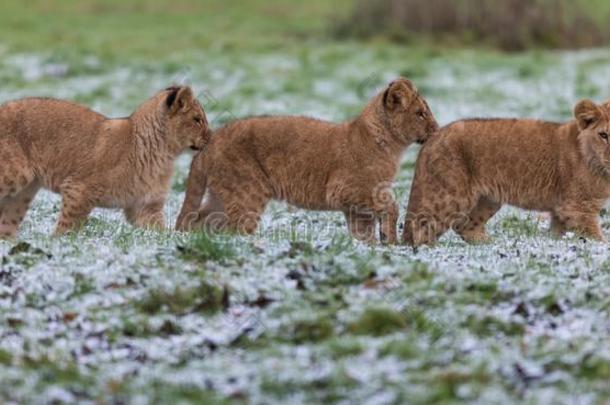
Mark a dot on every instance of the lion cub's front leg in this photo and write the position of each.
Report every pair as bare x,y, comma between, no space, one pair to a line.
364,208
386,211
589,228
147,215
388,218
76,206
558,228
361,225
582,223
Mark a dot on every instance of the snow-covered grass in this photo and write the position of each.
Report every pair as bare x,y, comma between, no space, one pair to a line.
301,313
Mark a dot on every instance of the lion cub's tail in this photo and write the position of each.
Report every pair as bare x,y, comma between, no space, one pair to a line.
195,189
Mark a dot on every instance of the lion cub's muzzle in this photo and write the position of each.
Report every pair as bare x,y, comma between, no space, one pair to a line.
432,130
202,141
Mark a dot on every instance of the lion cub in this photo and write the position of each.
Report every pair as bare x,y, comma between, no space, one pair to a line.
311,164
93,161
464,175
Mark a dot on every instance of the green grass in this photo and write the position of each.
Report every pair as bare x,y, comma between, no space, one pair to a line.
378,322
203,247
510,25
117,29
204,297
312,330
5,357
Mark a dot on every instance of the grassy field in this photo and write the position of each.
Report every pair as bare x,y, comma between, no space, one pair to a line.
299,313
116,29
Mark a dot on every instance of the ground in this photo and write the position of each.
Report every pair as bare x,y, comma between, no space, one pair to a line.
300,313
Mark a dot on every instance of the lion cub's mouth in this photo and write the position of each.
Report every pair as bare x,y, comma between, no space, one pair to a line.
423,139
195,148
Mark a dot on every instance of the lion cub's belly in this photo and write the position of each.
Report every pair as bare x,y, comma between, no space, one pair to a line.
304,190
306,200
522,194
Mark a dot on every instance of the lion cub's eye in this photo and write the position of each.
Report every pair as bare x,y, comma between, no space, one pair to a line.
421,115
604,135
198,120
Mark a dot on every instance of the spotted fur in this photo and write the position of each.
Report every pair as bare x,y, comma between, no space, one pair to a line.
474,167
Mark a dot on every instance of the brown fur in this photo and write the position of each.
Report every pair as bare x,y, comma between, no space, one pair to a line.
93,161
465,175
311,164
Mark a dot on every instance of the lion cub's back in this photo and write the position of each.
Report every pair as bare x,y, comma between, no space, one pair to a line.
46,118
498,134
293,156
496,141
269,136
513,161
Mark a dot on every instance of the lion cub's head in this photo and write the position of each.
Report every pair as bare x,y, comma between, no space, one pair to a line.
594,125
408,115
186,121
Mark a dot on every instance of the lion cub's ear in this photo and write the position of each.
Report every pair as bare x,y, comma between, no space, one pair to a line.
179,98
399,94
587,113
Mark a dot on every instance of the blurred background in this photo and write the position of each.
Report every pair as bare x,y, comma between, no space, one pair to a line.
117,28
510,25
471,57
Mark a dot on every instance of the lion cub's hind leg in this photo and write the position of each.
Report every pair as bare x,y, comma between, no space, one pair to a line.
76,205
433,211
210,217
244,203
14,208
15,172
17,189
442,197
472,230
242,216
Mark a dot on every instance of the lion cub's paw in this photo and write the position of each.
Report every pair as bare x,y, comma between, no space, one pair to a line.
477,238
